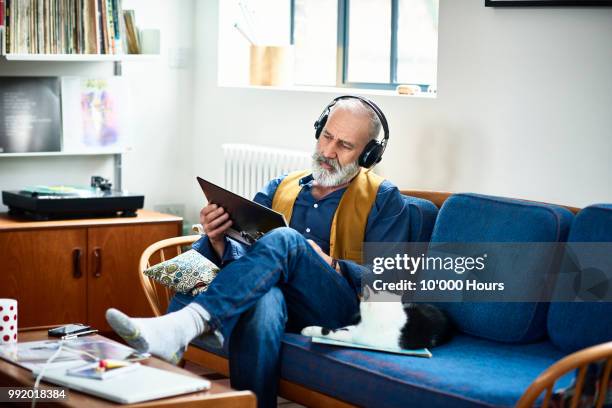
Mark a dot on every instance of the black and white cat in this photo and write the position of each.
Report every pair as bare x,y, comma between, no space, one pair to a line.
391,324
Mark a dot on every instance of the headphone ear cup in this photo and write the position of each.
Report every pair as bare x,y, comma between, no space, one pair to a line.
371,154
320,124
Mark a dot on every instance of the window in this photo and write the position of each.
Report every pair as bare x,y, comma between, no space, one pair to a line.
368,41
344,43
315,29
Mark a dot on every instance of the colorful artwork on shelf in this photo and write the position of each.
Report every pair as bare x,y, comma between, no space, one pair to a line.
93,114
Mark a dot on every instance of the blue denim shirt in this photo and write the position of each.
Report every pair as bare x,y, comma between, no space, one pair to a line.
388,221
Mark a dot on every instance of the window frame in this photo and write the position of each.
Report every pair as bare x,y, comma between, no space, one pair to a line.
342,49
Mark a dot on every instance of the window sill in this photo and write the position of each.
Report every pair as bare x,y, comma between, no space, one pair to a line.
334,90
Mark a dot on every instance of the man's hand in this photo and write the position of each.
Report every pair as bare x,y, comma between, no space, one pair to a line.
215,221
319,251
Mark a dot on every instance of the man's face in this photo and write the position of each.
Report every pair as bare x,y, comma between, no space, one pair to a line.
341,142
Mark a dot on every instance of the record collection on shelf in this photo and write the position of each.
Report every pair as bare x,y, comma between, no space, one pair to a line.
67,27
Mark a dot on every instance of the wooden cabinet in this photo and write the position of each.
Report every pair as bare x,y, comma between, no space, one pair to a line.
72,271
38,269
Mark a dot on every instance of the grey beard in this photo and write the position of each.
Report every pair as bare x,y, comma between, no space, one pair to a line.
338,176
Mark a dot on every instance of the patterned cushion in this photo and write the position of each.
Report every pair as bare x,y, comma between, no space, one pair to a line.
190,272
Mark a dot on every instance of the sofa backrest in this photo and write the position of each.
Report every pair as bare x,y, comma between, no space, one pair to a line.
480,218
439,197
422,215
576,325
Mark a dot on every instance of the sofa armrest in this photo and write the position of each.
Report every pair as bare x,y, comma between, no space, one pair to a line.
578,360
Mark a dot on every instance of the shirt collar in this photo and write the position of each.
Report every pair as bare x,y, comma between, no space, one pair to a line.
306,181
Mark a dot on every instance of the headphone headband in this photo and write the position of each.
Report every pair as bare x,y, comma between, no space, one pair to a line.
374,150
373,106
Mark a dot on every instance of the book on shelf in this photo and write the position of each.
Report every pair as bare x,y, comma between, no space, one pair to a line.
62,26
1,27
131,32
104,26
30,118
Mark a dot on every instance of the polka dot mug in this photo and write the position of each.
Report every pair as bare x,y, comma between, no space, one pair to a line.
8,321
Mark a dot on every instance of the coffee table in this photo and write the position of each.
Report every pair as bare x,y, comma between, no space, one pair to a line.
219,396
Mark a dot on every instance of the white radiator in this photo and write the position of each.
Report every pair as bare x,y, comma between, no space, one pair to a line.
248,168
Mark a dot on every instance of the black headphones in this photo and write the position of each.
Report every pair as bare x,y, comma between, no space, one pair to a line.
374,150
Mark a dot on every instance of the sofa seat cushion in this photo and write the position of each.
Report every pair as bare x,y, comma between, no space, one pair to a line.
466,372
576,325
466,218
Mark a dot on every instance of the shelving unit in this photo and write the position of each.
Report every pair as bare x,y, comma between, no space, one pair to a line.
63,57
51,154
116,59
117,160
81,57
104,32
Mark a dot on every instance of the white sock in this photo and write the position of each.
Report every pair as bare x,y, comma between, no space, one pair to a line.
166,336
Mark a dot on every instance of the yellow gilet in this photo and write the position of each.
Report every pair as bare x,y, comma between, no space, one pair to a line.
350,219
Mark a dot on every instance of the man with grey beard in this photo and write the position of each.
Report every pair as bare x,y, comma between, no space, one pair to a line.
308,274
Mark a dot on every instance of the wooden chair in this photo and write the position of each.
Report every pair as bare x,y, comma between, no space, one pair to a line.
159,295
579,360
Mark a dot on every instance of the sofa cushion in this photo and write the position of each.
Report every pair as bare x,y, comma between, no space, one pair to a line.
422,218
573,326
479,218
467,372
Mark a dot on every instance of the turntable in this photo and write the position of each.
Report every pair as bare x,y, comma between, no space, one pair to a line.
61,202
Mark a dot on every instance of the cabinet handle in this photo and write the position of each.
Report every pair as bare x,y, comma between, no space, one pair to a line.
97,253
76,263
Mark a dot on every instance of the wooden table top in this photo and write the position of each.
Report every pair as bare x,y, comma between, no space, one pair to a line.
8,223
219,396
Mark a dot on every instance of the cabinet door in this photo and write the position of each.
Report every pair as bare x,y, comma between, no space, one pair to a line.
113,279
45,271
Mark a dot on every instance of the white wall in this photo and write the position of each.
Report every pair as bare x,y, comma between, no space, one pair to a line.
162,105
523,110
160,100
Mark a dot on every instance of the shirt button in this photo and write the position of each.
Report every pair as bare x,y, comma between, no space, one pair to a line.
307,229
316,206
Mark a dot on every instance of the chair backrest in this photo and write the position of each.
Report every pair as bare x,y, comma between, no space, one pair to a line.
580,361
158,295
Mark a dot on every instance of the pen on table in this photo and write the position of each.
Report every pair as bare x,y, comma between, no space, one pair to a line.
74,336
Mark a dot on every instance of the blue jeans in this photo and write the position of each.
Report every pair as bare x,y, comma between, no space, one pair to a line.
280,283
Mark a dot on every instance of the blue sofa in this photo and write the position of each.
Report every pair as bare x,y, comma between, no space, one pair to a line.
498,349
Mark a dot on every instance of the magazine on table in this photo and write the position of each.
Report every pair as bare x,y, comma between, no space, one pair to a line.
35,354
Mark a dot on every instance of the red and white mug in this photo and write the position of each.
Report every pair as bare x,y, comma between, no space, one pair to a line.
8,321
